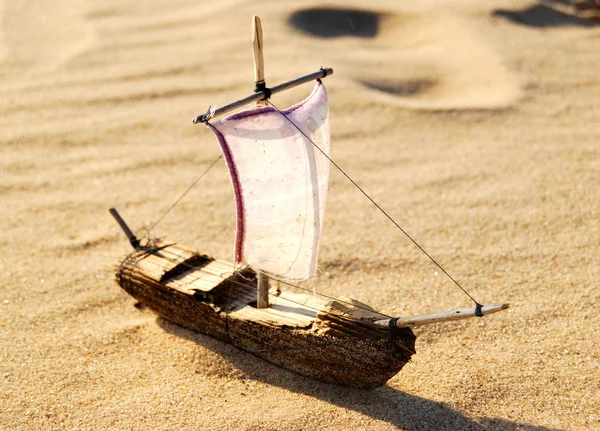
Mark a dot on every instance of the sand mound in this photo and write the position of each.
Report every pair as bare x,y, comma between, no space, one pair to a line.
431,60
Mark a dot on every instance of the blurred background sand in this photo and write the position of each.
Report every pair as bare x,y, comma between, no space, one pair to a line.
473,123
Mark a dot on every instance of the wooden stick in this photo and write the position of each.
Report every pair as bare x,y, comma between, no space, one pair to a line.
135,243
262,287
257,51
322,73
426,319
262,291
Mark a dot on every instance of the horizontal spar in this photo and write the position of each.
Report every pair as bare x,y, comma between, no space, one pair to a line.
446,316
262,94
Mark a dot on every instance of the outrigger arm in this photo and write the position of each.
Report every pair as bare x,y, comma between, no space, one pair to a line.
446,316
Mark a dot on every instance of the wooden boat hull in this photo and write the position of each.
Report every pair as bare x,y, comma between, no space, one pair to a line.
333,341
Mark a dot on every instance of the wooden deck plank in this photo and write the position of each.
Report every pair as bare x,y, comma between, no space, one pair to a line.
287,309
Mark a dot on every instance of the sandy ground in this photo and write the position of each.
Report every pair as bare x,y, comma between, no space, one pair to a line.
475,124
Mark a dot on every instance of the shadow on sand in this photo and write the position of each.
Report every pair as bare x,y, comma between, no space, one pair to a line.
405,411
333,22
548,14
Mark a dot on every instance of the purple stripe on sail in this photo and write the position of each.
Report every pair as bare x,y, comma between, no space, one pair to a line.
237,193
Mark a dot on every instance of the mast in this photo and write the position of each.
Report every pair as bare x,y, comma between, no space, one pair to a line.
262,293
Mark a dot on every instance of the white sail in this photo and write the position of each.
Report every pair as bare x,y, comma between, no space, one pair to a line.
280,183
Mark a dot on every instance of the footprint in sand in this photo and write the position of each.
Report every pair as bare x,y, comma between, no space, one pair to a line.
423,61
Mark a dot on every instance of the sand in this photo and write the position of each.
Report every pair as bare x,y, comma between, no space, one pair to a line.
474,124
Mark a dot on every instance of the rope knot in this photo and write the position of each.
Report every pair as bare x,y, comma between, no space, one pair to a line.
206,116
261,87
478,311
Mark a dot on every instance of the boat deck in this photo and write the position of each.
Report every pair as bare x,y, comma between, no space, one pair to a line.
287,309
334,341
186,271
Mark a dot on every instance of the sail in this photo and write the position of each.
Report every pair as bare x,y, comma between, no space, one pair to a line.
279,180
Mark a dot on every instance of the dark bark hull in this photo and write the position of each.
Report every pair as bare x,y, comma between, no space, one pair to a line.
337,343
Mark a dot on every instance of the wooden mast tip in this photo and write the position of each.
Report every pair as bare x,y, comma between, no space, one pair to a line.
257,50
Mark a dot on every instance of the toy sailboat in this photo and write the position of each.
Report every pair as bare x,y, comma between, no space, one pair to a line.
279,166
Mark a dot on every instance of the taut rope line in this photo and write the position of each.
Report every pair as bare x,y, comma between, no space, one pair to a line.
376,205
181,197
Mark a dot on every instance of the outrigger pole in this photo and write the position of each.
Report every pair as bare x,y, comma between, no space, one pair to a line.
446,316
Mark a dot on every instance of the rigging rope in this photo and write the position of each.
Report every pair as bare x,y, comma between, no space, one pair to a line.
374,203
148,230
390,218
